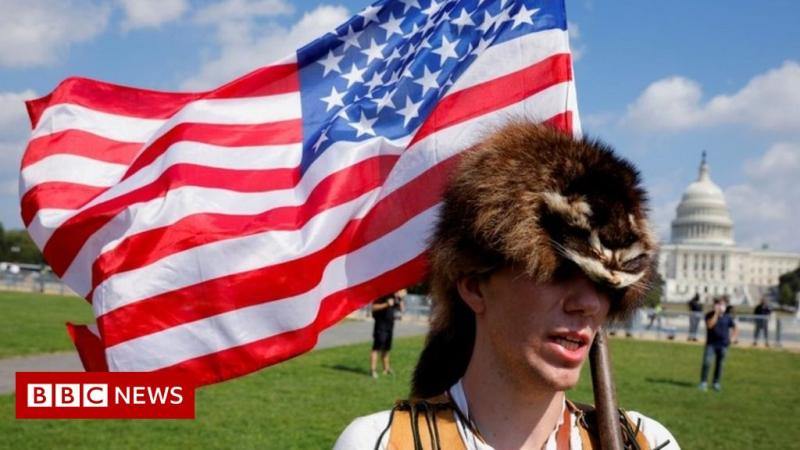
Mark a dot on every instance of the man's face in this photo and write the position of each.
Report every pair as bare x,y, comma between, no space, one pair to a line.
541,333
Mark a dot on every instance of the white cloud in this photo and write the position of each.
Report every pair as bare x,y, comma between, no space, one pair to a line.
764,205
13,115
14,132
245,46
38,32
241,10
151,13
576,45
769,101
10,157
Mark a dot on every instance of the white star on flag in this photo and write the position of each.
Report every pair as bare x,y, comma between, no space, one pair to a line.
410,111
487,22
446,50
331,63
383,101
334,99
408,4
524,15
364,125
463,20
374,82
370,14
374,51
350,39
393,26
322,138
428,80
355,75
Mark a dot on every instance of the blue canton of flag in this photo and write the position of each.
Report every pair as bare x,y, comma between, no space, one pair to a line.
384,70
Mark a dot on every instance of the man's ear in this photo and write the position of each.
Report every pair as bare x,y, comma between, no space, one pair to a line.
471,291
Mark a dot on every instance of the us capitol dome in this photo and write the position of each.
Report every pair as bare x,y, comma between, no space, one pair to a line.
702,258
702,215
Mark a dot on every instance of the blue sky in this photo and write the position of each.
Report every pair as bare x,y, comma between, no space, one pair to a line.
660,81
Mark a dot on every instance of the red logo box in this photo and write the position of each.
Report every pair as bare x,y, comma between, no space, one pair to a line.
103,395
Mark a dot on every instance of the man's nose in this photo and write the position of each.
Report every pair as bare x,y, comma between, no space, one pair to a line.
585,298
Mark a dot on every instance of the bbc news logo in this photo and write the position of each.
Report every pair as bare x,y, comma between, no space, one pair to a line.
103,395
67,395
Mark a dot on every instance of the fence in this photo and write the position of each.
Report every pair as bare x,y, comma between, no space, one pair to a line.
782,330
41,282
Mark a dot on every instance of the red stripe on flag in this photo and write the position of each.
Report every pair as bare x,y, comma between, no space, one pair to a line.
286,279
90,348
241,360
149,246
227,135
561,122
80,143
492,95
56,194
67,240
150,104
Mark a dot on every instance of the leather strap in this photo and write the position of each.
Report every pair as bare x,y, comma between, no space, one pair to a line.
563,433
425,425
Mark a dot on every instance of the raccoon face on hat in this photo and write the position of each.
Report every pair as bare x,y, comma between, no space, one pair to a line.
534,198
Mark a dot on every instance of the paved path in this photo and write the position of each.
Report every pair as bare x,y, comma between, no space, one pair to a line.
347,332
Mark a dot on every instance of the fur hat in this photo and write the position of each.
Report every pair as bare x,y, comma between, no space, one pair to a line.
531,197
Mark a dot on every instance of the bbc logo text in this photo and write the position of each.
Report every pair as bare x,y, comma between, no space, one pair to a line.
66,395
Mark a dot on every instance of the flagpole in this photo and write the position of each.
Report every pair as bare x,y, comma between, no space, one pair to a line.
604,394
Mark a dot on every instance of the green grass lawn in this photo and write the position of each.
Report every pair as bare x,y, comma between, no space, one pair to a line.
306,402
34,323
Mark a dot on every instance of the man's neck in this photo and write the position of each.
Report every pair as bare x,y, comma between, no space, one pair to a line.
507,415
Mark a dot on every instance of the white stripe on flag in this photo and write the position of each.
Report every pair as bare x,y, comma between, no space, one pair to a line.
65,116
249,110
70,169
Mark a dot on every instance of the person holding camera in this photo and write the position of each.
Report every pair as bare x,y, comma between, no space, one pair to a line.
719,324
384,311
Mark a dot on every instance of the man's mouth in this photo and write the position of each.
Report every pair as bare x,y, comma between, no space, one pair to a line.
569,343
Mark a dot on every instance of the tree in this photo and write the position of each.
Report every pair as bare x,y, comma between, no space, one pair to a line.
788,286
653,295
20,248
3,246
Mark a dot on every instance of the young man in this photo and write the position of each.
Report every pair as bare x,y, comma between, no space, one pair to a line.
762,313
383,312
696,313
718,338
541,239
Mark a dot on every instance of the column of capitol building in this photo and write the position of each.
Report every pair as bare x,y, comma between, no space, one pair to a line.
702,256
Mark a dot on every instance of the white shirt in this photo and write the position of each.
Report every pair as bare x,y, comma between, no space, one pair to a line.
363,432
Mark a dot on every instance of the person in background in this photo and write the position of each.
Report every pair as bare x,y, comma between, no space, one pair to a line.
762,312
383,311
696,313
718,339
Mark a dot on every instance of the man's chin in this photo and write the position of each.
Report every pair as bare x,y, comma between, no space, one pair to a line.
564,380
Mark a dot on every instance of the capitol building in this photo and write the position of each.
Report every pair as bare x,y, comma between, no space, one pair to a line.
702,256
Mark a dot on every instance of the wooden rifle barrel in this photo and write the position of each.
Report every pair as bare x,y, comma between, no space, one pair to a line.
605,398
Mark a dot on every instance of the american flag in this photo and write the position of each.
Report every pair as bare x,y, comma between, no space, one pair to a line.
219,232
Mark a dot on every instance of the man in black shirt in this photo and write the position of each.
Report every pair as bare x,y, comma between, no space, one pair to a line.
718,326
762,321
383,311
694,319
